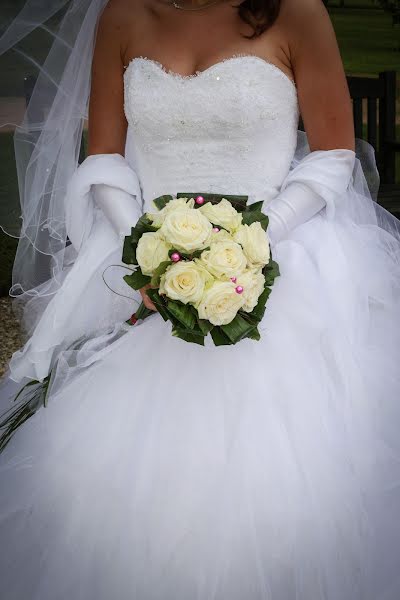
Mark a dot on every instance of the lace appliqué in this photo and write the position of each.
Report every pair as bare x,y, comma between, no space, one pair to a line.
199,72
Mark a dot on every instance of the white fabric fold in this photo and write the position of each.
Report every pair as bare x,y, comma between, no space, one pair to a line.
319,181
120,208
92,230
108,169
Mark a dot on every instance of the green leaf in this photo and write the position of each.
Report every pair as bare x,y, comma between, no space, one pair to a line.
255,207
273,266
259,310
29,384
186,256
237,329
204,325
183,313
159,302
269,279
143,312
254,334
137,280
162,201
249,317
30,403
144,225
188,336
129,252
219,337
198,253
270,272
162,267
253,216
239,202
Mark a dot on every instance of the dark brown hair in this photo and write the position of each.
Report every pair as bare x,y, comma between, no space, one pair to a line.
259,14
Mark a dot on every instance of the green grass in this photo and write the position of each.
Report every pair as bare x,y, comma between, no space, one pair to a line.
368,42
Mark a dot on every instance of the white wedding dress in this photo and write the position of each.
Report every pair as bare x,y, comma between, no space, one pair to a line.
162,470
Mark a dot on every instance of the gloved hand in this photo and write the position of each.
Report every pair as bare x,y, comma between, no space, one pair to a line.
122,211
119,207
319,181
122,202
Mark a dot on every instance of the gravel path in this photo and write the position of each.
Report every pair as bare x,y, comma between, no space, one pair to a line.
10,339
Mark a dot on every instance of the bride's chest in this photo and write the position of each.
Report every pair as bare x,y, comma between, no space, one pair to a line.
240,96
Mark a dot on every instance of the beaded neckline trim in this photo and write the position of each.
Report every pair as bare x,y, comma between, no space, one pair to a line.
211,68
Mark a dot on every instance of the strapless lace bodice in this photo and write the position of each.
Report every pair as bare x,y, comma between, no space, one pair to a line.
229,129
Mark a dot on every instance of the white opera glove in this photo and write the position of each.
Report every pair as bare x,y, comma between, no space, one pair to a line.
114,171
119,207
318,182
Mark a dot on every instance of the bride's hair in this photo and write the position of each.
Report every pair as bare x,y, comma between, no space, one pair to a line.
259,14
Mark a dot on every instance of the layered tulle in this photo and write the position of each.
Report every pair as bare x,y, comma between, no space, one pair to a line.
162,470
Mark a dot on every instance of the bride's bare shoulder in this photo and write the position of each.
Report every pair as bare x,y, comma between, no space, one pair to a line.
122,13
300,17
292,8
123,21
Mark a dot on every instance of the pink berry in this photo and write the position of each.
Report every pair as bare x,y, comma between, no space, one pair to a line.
175,257
234,279
199,200
239,289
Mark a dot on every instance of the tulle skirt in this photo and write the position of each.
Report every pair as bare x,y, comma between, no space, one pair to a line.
269,470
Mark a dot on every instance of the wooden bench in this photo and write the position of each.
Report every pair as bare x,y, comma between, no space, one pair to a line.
374,105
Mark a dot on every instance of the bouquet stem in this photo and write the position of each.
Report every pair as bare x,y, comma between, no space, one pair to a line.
141,313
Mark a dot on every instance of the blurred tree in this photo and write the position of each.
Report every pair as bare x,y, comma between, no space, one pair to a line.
392,7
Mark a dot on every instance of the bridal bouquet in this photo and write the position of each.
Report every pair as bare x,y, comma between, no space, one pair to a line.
207,259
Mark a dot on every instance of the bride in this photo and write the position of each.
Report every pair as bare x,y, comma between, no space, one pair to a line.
163,470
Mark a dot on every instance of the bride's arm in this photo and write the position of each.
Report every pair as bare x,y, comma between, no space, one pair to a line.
107,121
323,93
321,179
105,179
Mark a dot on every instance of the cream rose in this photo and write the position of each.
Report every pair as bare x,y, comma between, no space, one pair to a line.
185,281
255,243
224,259
222,214
220,303
151,251
158,217
187,229
252,282
221,236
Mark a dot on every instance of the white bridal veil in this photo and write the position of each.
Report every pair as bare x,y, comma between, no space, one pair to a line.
47,145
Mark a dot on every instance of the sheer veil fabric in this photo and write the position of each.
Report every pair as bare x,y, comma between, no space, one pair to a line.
47,145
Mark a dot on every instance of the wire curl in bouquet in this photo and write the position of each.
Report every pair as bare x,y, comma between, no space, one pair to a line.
207,260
